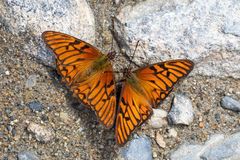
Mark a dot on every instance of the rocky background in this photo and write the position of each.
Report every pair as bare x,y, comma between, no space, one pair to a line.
39,118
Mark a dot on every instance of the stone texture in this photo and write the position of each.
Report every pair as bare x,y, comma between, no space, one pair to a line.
230,103
181,111
158,118
41,133
28,20
139,148
206,32
217,147
27,155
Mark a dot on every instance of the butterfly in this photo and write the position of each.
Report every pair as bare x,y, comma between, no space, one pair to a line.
87,71
89,74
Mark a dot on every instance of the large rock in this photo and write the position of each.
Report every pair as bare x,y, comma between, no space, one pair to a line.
29,19
216,148
202,30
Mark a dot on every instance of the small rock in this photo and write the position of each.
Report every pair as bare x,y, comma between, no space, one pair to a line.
31,81
217,117
64,117
155,155
172,133
160,141
7,73
181,111
201,124
35,106
158,118
27,155
41,133
230,103
139,148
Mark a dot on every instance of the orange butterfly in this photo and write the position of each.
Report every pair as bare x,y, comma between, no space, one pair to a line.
143,89
87,72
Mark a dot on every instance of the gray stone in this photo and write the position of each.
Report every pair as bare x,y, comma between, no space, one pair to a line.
139,148
227,149
29,20
35,106
31,81
181,111
41,133
216,148
230,103
27,155
207,34
158,119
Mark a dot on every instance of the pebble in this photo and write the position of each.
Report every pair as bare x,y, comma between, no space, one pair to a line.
181,111
7,73
230,103
27,155
201,124
172,133
41,133
64,117
35,106
160,141
31,81
158,119
155,155
217,117
138,148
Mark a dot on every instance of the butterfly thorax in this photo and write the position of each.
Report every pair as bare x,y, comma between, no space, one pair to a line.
134,82
100,64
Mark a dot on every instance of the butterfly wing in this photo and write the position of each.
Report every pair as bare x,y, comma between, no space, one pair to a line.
158,79
134,109
146,88
93,85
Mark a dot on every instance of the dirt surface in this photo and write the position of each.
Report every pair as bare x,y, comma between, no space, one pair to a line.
80,136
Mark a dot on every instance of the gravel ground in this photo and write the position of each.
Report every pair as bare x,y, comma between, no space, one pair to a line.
75,132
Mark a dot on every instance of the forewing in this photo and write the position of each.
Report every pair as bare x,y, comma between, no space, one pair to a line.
133,110
73,56
158,79
98,91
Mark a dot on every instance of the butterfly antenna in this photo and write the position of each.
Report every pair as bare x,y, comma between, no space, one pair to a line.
131,60
112,30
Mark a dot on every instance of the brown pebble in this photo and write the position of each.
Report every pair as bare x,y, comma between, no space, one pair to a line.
201,125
